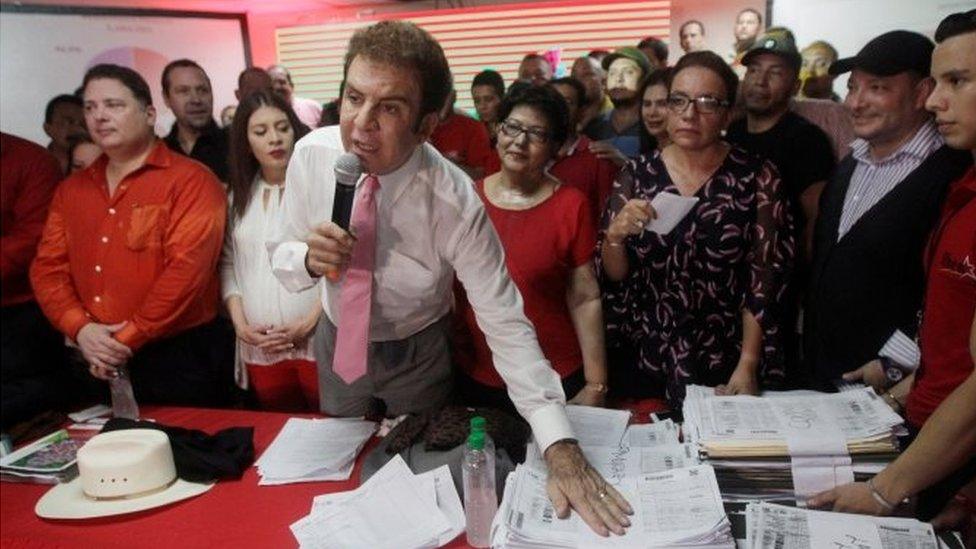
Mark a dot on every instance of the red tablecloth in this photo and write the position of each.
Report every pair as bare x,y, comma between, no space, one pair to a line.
232,514
237,514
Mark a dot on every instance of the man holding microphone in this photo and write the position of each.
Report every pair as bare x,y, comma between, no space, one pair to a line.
417,220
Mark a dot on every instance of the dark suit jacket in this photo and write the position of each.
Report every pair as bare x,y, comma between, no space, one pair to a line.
871,282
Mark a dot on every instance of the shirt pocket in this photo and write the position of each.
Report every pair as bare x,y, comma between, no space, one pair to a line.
408,276
146,225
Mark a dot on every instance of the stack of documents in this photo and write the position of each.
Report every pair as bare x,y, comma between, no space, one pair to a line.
307,450
770,526
676,508
764,426
393,509
791,445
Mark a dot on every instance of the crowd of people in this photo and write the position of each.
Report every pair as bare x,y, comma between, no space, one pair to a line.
505,260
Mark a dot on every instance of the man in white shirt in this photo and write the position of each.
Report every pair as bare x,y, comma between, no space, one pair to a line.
429,224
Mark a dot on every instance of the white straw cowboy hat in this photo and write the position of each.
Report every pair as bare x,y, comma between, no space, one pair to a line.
119,472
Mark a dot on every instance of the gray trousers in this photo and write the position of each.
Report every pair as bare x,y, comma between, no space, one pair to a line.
409,375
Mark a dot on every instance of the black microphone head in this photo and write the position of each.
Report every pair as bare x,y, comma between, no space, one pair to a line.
348,168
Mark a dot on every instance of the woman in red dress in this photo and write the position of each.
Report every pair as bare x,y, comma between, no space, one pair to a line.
547,231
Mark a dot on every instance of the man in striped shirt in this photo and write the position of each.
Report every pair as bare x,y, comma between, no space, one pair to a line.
942,458
877,211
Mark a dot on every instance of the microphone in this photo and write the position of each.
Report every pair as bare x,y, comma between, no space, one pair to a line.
348,169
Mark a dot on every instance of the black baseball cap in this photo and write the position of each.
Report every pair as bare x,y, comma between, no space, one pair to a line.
890,54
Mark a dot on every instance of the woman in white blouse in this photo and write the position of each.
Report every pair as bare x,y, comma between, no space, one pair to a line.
274,326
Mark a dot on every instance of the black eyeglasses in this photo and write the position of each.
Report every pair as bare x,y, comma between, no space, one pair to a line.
513,129
704,104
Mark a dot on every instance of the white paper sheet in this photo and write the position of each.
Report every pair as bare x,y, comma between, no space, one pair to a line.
652,434
818,463
598,426
670,209
313,449
771,526
394,509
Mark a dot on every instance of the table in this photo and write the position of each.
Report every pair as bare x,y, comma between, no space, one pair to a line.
236,513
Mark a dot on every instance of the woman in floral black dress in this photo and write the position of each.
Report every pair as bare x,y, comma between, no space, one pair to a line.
700,305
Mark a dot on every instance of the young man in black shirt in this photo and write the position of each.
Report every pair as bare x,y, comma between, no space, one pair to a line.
800,150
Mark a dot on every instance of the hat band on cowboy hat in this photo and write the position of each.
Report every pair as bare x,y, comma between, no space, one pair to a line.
120,472
137,495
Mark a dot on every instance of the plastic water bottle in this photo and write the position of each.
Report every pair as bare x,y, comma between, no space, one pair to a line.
478,423
123,399
480,501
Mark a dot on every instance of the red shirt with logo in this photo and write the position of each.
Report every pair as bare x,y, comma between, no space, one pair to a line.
950,302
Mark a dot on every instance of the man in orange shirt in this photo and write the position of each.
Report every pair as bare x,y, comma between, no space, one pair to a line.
126,267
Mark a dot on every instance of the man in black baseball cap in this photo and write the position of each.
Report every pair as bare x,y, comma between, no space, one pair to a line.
940,405
875,216
889,54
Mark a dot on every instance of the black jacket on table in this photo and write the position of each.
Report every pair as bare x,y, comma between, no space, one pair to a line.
871,282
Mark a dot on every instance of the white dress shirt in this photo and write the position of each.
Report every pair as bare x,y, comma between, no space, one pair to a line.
873,180
429,224
245,271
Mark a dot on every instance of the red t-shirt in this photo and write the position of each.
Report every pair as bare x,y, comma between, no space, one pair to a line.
583,170
950,301
543,245
464,140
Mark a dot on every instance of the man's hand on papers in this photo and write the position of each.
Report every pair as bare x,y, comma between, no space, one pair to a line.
850,498
573,482
329,249
870,374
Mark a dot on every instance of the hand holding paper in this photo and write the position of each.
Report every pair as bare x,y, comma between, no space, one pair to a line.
670,209
630,220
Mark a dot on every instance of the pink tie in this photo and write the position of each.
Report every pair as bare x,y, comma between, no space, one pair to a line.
355,298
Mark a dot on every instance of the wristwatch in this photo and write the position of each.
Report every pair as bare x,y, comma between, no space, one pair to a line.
892,370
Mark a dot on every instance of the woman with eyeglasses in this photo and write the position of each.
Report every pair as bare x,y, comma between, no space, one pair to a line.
700,305
548,234
273,325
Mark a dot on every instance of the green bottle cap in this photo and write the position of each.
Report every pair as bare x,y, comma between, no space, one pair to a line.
478,423
476,440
